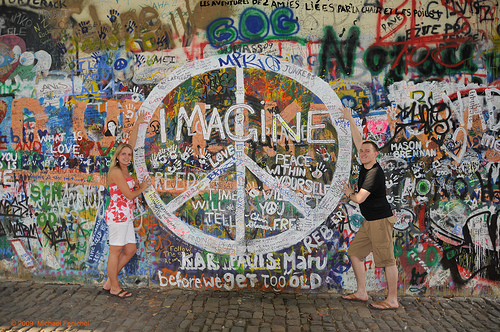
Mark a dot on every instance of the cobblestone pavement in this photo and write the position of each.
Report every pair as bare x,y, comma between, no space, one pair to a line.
29,306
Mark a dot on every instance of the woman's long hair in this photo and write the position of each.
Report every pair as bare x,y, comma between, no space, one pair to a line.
114,161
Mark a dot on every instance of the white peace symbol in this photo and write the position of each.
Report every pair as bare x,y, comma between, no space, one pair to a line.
312,217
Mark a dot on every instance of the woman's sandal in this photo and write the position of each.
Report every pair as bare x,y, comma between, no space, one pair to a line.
122,294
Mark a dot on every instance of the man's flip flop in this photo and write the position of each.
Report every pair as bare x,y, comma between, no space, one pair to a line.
384,306
353,297
122,294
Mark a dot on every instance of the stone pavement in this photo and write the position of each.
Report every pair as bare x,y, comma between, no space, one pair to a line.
29,306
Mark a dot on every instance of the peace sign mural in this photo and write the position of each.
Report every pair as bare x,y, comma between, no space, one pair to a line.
247,153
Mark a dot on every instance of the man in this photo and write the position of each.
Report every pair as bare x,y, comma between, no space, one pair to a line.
375,233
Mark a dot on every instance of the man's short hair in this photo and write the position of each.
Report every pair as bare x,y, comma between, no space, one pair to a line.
375,146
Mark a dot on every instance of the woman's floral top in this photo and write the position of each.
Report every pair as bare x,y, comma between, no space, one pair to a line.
120,209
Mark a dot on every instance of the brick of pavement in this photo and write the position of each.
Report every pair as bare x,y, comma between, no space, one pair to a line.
244,314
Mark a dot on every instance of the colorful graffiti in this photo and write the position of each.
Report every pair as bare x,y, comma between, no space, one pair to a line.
245,143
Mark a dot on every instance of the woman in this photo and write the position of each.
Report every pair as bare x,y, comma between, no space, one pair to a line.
120,212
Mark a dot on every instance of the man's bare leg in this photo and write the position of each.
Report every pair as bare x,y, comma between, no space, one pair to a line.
391,275
358,266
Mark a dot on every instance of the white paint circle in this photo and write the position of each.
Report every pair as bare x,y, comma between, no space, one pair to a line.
313,217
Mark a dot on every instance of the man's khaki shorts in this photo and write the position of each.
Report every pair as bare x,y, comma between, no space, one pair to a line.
376,236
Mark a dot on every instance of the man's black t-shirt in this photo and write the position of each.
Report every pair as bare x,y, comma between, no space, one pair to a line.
376,205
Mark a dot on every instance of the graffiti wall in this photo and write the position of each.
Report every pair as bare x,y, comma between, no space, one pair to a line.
245,141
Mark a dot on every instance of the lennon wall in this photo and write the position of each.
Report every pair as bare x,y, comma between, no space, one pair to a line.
244,141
